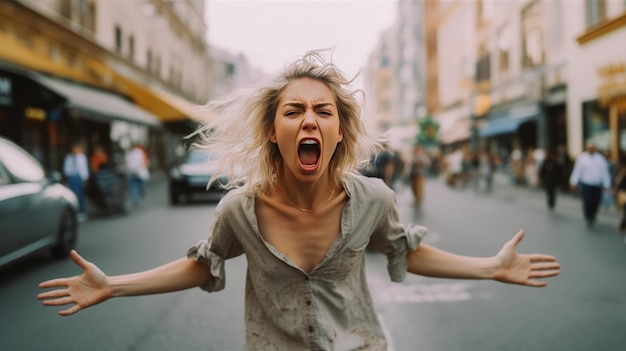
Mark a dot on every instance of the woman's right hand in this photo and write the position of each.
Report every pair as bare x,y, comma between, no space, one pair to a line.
85,290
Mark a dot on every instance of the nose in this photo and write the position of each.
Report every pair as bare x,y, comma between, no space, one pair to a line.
310,122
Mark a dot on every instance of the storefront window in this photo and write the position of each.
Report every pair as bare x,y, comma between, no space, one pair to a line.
596,125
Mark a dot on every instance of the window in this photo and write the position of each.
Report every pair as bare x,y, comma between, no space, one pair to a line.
596,125
131,47
485,10
595,12
230,69
21,164
504,48
65,9
482,72
532,35
118,39
149,61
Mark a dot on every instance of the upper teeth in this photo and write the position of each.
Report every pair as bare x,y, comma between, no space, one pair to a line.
309,142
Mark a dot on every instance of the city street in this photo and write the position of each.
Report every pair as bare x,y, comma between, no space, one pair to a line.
583,309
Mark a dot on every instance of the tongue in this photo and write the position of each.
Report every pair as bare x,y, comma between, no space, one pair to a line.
308,154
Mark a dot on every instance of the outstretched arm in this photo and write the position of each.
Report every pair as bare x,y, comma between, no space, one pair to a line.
507,266
93,286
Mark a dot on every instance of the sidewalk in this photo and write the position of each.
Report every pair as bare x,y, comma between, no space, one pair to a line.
153,187
564,201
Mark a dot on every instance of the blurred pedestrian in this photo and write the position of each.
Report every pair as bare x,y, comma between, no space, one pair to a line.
550,174
303,219
99,158
385,165
417,172
531,170
517,167
591,175
76,172
136,172
454,168
566,163
486,168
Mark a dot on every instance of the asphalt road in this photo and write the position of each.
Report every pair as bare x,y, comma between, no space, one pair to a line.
582,309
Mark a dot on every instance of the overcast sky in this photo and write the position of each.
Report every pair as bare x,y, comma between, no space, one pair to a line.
272,33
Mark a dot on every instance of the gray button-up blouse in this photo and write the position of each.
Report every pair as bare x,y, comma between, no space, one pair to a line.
329,308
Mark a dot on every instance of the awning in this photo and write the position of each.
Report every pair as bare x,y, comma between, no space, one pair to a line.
458,131
168,107
508,122
95,103
187,108
455,125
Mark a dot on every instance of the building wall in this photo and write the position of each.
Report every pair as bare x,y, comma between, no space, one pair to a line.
168,41
585,61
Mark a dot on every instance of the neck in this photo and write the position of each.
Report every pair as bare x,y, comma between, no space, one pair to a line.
308,197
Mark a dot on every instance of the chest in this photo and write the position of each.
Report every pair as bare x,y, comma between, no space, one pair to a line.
303,237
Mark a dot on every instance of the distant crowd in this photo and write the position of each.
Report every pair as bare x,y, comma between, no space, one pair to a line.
592,175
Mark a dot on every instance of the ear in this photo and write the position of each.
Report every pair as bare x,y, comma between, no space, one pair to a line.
340,135
271,134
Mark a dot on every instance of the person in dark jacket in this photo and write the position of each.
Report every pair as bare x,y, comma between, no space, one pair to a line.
551,173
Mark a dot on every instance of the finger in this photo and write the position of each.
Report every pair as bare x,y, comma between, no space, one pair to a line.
545,266
536,283
517,237
79,260
59,302
70,311
542,258
544,274
54,283
53,293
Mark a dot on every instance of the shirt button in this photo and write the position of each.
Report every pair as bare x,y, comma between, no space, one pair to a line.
311,329
308,302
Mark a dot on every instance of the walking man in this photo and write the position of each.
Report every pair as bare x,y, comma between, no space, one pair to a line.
591,175
76,172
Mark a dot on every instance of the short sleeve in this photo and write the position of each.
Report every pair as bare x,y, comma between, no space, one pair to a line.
395,240
222,244
202,253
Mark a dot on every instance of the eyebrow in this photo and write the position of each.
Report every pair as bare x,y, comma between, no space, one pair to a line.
301,105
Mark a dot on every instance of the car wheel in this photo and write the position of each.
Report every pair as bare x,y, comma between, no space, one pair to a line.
67,234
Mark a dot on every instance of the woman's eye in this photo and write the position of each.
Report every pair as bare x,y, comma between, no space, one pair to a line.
326,113
291,113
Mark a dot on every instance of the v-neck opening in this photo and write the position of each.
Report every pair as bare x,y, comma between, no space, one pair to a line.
346,219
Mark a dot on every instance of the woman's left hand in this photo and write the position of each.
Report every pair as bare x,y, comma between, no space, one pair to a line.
524,269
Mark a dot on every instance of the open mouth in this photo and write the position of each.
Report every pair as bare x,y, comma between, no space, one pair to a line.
309,153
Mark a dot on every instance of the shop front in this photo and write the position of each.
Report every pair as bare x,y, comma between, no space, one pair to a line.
45,115
604,118
514,128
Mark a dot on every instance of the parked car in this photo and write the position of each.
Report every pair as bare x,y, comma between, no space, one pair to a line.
190,178
37,212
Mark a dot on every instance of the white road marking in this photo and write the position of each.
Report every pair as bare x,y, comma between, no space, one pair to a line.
386,294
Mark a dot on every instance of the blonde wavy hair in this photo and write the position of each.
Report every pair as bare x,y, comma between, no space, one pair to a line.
240,133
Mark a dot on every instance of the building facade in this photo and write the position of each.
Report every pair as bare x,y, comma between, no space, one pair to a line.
596,99
524,74
143,65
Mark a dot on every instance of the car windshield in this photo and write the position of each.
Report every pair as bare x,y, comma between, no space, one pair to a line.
197,157
20,163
